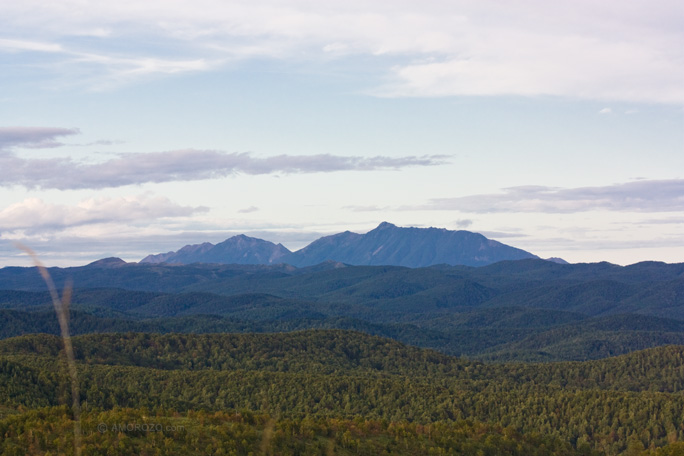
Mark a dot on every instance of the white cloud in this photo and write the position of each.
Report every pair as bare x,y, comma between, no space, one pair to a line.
9,45
531,65
596,50
99,69
35,215
606,111
367,208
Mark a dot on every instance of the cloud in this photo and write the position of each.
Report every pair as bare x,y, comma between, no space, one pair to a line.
606,111
100,70
502,234
33,137
100,142
33,214
119,71
463,223
367,208
606,243
182,165
639,196
568,67
586,49
25,45
663,221
248,210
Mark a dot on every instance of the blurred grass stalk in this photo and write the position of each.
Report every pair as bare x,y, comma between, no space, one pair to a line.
62,309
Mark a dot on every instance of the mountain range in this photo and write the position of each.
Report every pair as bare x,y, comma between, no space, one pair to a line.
387,244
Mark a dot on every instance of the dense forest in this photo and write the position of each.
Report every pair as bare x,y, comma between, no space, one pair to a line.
340,392
126,431
515,358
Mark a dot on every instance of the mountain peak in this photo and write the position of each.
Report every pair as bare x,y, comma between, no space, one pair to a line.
239,249
385,225
111,262
557,260
413,247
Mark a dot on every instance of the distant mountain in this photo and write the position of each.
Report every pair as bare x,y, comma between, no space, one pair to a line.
239,249
111,262
186,255
411,247
557,260
385,245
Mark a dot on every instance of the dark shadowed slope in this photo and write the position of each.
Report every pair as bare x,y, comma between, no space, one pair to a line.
411,247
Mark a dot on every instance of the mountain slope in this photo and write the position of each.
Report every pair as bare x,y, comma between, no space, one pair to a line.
411,247
385,245
239,249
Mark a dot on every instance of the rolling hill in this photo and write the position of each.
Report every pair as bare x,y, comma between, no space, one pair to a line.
531,310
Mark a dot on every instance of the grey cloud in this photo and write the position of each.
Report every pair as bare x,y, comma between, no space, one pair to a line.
666,221
328,163
592,245
183,165
501,234
100,142
640,196
33,137
248,210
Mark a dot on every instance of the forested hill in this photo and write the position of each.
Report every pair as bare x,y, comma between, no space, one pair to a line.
615,406
350,353
531,310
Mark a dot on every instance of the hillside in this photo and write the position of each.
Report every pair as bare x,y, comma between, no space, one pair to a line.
530,310
610,406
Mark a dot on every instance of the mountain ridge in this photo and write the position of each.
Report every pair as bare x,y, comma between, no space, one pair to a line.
240,249
387,244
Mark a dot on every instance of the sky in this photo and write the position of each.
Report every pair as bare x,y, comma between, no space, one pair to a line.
129,128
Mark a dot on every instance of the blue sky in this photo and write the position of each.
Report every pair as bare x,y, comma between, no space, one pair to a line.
129,128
